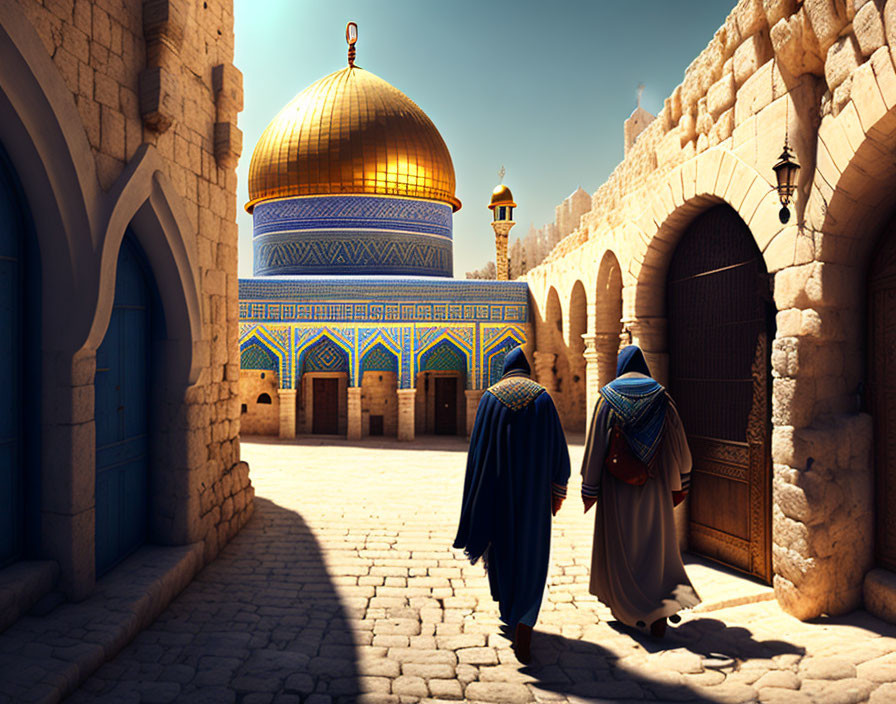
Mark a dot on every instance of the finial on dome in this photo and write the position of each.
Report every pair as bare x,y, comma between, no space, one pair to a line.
351,36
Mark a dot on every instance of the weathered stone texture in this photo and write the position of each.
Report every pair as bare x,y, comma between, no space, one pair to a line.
821,74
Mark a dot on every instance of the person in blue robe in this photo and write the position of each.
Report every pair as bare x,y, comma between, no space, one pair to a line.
636,566
517,471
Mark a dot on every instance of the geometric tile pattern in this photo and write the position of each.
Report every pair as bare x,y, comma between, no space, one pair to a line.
495,359
341,212
352,235
352,252
256,357
445,356
379,359
325,356
381,299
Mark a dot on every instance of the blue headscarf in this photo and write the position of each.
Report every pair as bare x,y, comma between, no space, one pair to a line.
515,362
638,404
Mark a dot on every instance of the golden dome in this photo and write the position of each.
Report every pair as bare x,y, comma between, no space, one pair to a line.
351,133
501,196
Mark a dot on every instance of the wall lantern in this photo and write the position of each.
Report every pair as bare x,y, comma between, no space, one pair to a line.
785,172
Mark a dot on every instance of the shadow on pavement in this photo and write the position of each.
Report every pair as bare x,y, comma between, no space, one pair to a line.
583,669
858,619
263,619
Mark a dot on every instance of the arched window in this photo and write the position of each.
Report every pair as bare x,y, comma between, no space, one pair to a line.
264,398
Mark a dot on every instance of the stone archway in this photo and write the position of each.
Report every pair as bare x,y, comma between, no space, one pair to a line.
379,386
441,381
575,355
608,325
719,319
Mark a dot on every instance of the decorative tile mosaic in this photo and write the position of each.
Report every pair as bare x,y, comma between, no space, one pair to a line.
382,299
352,252
256,357
379,359
353,212
445,356
325,356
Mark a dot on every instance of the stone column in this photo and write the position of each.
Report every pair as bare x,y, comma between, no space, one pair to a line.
287,413
502,231
406,400
544,370
650,335
607,349
354,413
473,396
592,376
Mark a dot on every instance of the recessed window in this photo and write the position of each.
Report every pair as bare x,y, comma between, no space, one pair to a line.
262,375
264,398
244,408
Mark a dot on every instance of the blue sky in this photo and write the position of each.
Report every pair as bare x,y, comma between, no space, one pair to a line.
540,88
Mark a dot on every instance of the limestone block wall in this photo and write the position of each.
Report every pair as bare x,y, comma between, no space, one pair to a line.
819,73
259,418
141,98
378,398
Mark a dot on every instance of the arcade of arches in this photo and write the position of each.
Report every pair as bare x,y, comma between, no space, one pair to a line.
777,340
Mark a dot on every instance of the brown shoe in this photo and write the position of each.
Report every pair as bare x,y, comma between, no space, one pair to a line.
522,641
658,628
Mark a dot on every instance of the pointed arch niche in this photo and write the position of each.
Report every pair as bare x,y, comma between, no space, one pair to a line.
608,324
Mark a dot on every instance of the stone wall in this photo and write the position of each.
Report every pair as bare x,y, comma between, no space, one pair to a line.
819,73
259,418
155,151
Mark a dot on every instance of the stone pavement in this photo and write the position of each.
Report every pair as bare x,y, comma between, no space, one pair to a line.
344,587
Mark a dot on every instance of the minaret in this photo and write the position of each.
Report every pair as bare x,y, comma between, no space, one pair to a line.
502,206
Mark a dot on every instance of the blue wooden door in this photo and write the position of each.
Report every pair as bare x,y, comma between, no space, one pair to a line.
122,437
11,479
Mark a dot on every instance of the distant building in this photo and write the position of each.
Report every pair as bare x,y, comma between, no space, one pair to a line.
352,324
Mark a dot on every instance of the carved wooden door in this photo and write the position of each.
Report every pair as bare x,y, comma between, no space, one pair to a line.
446,405
325,418
719,313
882,388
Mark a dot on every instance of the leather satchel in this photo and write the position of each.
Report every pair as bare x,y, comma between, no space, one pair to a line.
622,463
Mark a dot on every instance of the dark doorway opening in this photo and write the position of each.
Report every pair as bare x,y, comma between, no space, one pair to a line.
325,415
446,405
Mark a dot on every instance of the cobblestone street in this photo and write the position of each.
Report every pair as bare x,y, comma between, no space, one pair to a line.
344,587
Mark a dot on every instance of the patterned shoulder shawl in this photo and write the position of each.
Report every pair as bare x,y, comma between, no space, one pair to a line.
516,392
639,405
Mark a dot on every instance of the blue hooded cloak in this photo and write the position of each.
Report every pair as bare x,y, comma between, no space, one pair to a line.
638,404
518,458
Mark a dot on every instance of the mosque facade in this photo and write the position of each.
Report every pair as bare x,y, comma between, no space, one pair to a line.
352,325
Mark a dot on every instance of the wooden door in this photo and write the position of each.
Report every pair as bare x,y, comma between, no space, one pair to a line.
122,416
376,425
11,472
719,317
446,405
325,415
882,395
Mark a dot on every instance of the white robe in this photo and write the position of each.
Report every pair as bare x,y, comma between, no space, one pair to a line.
636,566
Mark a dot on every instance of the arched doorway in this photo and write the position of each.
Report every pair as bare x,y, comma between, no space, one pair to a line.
379,384
882,393
440,390
324,383
12,480
121,387
720,327
578,326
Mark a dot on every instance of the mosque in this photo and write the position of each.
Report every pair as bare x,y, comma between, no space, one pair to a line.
352,325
